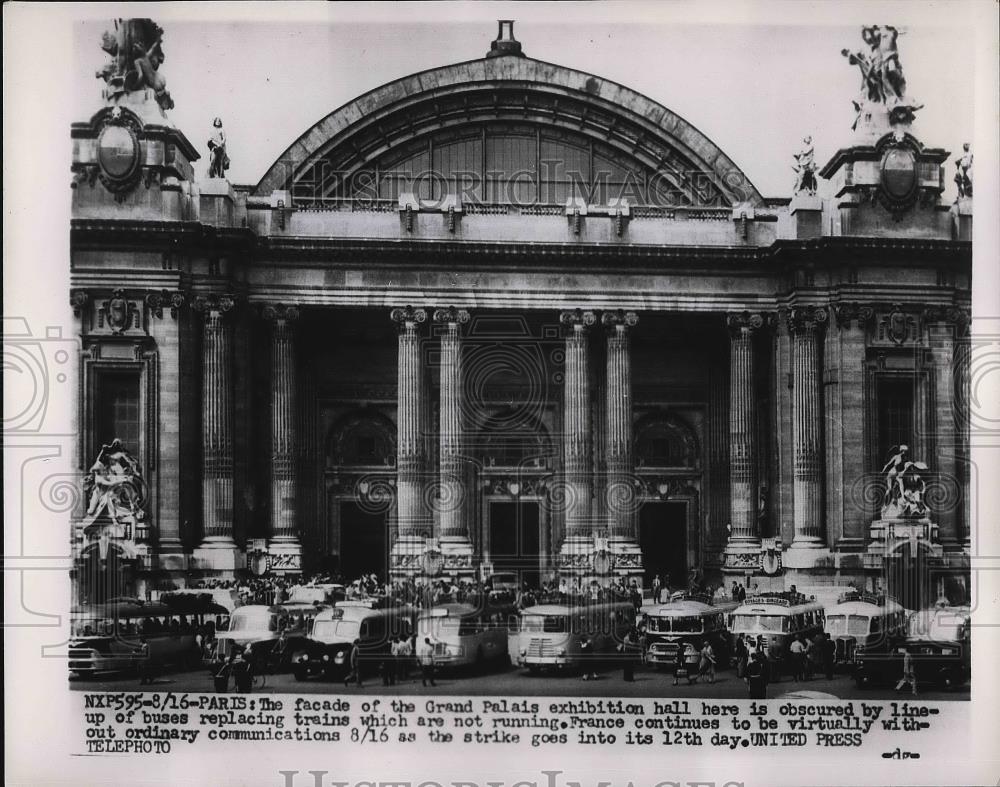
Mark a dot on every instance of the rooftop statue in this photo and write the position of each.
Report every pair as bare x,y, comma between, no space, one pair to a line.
963,172
136,52
904,486
805,168
217,146
882,80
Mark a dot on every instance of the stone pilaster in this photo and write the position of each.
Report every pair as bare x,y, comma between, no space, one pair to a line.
283,536
218,549
577,485
743,546
620,491
412,522
806,325
453,505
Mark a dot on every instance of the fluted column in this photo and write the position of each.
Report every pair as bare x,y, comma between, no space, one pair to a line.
453,468
618,430
217,423
412,524
744,533
805,325
284,440
577,448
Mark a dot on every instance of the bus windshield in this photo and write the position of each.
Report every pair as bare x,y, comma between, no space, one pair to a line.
764,623
438,627
685,625
258,622
552,624
330,630
847,625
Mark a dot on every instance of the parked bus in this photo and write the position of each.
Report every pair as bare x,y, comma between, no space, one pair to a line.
107,638
465,634
274,634
938,641
687,618
372,624
778,619
567,635
863,620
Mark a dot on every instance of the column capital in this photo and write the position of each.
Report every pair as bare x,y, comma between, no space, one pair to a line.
746,322
209,304
806,319
956,316
619,320
451,316
407,315
578,318
853,312
279,312
78,299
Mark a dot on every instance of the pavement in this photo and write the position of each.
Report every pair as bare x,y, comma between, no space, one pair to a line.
509,681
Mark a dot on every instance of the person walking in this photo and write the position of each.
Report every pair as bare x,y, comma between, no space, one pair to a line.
426,658
707,664
909,674
404,657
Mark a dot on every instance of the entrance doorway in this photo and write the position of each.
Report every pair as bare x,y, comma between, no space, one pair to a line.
363,544
514,540
663,541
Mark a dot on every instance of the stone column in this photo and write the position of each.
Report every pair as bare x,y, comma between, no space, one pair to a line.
283,537
218,550
453,530
620,491
411,519
575,495
806,326
743,545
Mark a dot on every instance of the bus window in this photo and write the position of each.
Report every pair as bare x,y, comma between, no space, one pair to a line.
876,625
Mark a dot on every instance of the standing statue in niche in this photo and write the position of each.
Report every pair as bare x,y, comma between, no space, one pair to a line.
904,486
136,52
963,173
805,168
217,146
882,79
115,483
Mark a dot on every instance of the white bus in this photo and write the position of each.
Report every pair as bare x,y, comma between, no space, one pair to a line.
776,619
465,634
568,635
863,620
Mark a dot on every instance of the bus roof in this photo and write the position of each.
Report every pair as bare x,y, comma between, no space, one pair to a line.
683,608
566,609
777,604
864,608
361,612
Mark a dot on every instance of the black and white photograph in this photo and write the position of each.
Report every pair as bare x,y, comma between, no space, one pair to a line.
585,381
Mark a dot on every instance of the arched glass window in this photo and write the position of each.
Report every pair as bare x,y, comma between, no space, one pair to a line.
665,441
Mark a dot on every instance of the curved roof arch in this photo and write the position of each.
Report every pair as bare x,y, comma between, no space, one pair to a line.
512,89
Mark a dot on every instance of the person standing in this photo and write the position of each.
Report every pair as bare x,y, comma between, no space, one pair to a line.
355,665
757,676
797,652
909,674
145,670
404,656
629,649
707,664
426,657
742,656
829,655
692,660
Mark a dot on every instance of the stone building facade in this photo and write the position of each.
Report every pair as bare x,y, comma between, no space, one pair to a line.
507,316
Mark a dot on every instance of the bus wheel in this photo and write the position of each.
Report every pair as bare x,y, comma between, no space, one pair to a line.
534,669
478,665
860,682
300,674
